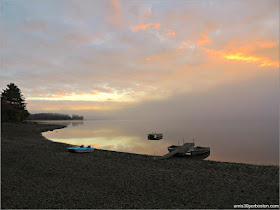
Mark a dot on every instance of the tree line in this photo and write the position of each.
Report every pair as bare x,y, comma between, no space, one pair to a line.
54,116
13,108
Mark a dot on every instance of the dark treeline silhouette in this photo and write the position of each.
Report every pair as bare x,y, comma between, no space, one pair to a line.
77,117
13,108
54,116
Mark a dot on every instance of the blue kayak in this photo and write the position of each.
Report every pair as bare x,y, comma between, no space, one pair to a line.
80,149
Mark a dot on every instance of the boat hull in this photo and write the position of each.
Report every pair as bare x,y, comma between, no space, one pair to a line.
80,150
154,139
200,150
155,136
193,151
172,148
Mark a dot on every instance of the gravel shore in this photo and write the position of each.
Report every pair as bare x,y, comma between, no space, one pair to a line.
41,174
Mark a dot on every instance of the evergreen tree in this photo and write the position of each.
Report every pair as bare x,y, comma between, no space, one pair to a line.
13,108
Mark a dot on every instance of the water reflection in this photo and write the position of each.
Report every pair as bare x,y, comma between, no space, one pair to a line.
61,122
77,123
109,137
229,140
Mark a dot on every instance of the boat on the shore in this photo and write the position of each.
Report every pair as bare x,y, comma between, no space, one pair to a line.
80,149
192,150
172,148
199,150
155,136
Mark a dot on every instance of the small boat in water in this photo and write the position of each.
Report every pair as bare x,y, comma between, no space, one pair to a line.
155,136
80,149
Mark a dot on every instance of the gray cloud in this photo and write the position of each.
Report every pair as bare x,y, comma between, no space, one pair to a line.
72,47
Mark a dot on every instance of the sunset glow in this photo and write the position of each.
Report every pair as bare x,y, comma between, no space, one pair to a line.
115,54
85,97
239,56
203,40
170,32
146,26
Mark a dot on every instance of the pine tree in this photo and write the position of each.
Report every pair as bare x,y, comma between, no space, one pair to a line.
13,108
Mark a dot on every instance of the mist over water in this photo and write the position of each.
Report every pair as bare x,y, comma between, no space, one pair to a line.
239,122
248,141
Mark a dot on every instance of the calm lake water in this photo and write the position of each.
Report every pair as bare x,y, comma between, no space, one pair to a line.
230,141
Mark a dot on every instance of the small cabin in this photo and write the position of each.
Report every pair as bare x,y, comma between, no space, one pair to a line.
155,136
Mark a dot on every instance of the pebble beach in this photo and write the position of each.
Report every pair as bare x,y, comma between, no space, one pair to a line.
37,173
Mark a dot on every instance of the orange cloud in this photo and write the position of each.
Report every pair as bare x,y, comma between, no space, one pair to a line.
266,44
147,59
94,92
170,32
257,47
147,14
257,44
203,40
61,93
146,26
115,13
87,107
181,47
241,56
188,44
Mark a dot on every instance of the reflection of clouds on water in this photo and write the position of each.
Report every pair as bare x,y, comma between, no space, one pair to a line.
110,140
77,123
61,122
228,140
55,122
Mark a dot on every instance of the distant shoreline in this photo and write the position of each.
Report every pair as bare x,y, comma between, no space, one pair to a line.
38,173
53,120
54,116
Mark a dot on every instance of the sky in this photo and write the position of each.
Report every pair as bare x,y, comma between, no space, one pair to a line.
144,58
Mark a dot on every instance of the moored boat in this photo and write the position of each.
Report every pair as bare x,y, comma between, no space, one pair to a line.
155,136
192,151
172,148
199,150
